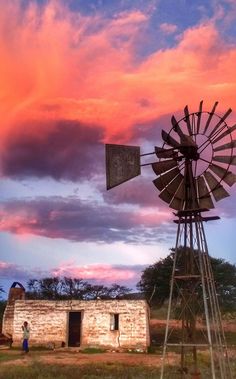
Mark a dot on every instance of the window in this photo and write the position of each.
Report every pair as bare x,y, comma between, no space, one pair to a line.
114,321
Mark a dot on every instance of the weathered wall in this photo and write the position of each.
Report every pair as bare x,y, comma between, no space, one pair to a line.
48,322
15,293
8,318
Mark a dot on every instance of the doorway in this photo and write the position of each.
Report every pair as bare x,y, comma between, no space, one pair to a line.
74,329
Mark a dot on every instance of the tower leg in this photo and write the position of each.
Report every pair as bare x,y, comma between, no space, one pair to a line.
194,305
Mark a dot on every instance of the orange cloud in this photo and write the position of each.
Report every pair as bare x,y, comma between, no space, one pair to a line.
59,64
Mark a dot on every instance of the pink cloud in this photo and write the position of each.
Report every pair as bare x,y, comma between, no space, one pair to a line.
127,19
74,220
168,28
153,217
96,272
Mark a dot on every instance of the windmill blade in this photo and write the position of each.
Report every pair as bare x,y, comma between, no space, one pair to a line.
163,166
210,117
169,140
227,176
204,198
174,185
199,115
222,119
164,153
225,159
217,189
178,199
187,119
176,204
206,202
228,131
176,127
202,187
165,196
226,146
169,192
163,180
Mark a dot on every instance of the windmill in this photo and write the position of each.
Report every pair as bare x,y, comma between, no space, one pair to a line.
193,172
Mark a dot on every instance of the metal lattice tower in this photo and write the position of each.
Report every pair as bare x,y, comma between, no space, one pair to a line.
192,171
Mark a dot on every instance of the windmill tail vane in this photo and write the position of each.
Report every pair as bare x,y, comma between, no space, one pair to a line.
193,172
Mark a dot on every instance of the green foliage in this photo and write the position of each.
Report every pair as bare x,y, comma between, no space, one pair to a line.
225,279
155,279
159,313
1,291
5,357
109,370
92,350
72,288
92,371
2,308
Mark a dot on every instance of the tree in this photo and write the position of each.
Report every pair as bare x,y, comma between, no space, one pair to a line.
1,291
97,291
225,279
46,288
155,281
116,291
2,306
72,288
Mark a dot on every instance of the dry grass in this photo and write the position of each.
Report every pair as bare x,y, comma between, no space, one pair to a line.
74,365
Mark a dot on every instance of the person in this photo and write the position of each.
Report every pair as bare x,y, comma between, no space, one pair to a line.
26,333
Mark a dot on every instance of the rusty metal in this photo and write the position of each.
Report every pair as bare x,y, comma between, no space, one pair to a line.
227,176
225,159
222,119
210,117
163,180
163,153
224,134
191,191
218,191
122,164
169,140
225,146
164,166
199,115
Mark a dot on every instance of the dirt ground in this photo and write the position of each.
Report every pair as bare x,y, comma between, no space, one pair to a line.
71,357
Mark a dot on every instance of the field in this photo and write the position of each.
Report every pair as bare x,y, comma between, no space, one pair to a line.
73,365
93,364
41,365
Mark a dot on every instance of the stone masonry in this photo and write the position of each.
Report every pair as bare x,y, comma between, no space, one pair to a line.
48,321
17,292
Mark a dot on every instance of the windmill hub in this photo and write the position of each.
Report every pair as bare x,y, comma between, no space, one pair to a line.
190,152
189,148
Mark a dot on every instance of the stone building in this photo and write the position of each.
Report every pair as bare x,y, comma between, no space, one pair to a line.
117,324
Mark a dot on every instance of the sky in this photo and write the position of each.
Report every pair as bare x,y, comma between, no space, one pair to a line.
75,75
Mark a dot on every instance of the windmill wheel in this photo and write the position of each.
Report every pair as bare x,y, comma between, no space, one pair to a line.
195,159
